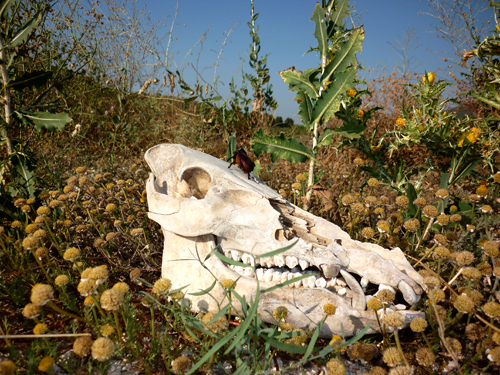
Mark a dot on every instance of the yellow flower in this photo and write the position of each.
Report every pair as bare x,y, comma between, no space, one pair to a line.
351,93
498,28
421,128
430,77
418,111
400,122
378,147
473,135
360,113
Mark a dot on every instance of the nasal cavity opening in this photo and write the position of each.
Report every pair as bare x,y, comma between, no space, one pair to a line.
198,183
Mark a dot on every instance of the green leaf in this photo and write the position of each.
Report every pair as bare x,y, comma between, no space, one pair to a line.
305,108
329,101
351,130
36,79
4,7
22,34
319,18
340,12
205,291
346,55
298,81
281,147
47,120
325,139
277,251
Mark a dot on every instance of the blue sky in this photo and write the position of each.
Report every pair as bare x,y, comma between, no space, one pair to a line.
286,32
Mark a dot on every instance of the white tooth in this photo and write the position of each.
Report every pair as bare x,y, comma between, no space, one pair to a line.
239,269
231,266
248,259
236,255
291,275
358,299
400,306
297,284
330,283
268,275
267,262
320,282
291,261
341,282
330,270
277,276
383,286
248,272
342,292
284,276
303,264
279,260
309,282
260,273
364,282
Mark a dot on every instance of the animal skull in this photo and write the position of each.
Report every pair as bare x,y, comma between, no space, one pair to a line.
201,204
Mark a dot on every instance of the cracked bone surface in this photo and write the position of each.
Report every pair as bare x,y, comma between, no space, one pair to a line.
201,205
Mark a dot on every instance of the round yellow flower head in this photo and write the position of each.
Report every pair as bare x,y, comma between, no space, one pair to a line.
82,345
329,308
122,287
40,329
301,177
45,364
280,312
351,93
8,367
41,294
61,280
181,365
161,286
31,311
418,324
111,299
107,330
400,122
429,78
71,254
102,349
228,283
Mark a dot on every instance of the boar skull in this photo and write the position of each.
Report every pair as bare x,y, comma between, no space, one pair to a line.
202,205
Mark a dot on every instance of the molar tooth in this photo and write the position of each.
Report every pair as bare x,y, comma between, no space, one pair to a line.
268,275
260,273
267,262
236,255
248,272
279,260
358,299
400,306
320,282
330,283
309,282
284,276
297,284
330,270
248,259
291,261
277,276
341,282
342,291
303,264
239,269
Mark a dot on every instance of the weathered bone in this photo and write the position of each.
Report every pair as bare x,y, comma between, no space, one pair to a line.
202,205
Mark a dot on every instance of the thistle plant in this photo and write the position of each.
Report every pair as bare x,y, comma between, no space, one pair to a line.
320,90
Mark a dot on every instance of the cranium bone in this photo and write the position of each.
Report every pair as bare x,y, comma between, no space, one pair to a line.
201,204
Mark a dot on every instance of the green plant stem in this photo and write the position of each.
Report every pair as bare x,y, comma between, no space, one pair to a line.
398,345
54,307
53,239
42,267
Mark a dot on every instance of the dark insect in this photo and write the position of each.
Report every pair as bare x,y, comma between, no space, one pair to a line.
242,160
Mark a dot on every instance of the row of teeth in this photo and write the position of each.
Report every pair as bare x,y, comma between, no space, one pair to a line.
280,260
279,276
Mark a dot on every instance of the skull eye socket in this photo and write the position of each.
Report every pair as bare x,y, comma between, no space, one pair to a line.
198,183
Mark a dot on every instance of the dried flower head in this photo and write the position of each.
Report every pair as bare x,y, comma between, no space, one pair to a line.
107,330
383,226
228,283
335,367
464,258
368,232
430,211
61,280
45,364
482,191
392,357
40,329
102,349
492,309
43,211
494,355
442,193
464,304
491,248
425,357
418,324
394,319
111,299
181,365
359,162
87,287
329,308
31,311
122,287
280,312
71,254
432,282
402,201
30,243
412,225
216,327
374,304
7,367
82,345
41,294
442,252
161,286
443,219
471,273
386,296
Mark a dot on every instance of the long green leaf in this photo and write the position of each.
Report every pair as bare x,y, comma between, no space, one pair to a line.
22,34
340,12
351,130
329,101
281,147
205,291
35,79
298,81
345,56
47,120
319,18
4,7
305,108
